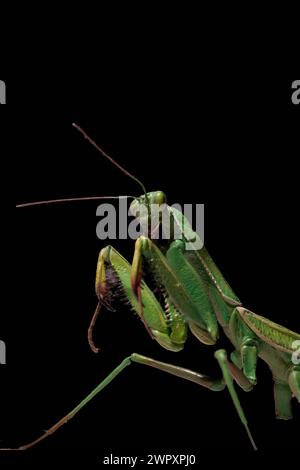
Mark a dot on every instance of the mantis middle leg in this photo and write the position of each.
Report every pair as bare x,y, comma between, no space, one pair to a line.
200,379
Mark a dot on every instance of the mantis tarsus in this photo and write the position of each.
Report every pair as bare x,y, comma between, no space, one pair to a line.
192,295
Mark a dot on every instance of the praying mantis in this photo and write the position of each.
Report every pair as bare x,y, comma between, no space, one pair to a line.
190,294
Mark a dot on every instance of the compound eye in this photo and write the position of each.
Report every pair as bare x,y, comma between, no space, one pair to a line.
160,197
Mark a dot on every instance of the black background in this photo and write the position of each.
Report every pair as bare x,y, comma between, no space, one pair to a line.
231,144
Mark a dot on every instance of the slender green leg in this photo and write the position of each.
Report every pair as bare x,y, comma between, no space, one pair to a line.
221,357
200,379
283,397
205,381
294,382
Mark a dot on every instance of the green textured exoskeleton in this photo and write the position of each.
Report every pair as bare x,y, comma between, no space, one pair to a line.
189,293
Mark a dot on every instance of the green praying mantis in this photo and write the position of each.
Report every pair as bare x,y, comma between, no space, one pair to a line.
189,294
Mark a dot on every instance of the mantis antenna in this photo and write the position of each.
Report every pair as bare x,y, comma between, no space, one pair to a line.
121,168
71,199
92,198
93,143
